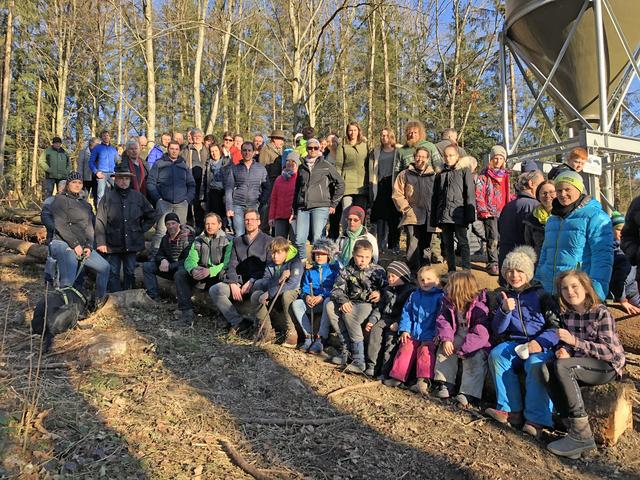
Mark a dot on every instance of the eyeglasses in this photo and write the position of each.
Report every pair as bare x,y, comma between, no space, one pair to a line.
313,148
353,220
228,139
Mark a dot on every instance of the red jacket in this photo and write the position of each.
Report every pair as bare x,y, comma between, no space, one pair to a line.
236,155
282,197
492,192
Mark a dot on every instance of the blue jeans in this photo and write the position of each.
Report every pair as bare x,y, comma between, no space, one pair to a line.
238,220
101,186
116,262
68,267
300,310
150,271
314,219
162,208
503,365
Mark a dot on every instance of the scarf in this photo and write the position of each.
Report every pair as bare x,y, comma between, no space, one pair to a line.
347,249
310,162
563,210
541,214
287,174
138,185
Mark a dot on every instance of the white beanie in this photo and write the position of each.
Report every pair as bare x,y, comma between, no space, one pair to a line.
522,258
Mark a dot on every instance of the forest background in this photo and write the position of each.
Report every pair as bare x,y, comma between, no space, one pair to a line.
71,68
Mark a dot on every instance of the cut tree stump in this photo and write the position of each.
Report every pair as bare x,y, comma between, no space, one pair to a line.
23,231
24,248
610,410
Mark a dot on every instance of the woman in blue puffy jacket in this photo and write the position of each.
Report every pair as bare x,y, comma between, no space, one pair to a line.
578,236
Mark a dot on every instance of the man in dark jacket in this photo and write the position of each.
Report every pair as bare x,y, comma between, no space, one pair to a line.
511,221
246,186
73,237
123,216
197,158
56,165
171,187
249,255
208,256
173,250
319,188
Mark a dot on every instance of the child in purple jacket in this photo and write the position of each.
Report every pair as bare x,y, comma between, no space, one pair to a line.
463,336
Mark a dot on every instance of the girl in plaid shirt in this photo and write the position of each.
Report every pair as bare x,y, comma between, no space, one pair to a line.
589,353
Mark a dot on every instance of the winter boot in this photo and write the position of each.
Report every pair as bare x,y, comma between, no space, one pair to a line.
421,386
290,339
183,318
371,370
357,364
307,344
576,442
443,391
341,359
316,347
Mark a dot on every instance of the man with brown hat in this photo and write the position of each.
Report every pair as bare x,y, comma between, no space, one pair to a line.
122,218
271,154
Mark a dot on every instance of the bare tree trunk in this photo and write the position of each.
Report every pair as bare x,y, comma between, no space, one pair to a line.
236,106
65,23
36,138
372,71
312,106
222,71
147,6
6,83
387,80
118,29
17,174
225,107
197,112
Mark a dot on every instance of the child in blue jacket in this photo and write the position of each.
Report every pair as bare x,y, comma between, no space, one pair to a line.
527,316
316,286
282,274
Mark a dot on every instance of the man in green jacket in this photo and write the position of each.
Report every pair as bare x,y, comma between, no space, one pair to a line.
56,164
208,257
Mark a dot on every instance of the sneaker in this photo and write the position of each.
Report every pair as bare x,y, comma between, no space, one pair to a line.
370,371
356,367
442,392
316,347
499,416
532,429
492,270
392,382
421,386
462,400
340,359
306,345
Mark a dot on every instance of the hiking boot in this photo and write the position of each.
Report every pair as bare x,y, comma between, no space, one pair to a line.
421,386
492,269
532,429
576,442
356,367
183,318
341,358
268,335
290,339
392,382
306,345
442,391
462,400
435,258
316,347
370,371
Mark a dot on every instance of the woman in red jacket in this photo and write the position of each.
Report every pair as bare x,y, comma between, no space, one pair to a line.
282,198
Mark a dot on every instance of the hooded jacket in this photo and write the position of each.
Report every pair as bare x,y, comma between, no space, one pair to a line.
156,153
582,240
171,181
412,194
492,192
355,285
123,217
212,253
420,312
323,276
272,272
280,206
319,186
536,317
454,196
246,187
477,319
392,303
73,220
248,258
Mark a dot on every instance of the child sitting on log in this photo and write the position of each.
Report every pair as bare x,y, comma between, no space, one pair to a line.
589,353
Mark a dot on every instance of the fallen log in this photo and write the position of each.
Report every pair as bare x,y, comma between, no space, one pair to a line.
242,463
24,248
610,410
351,388
20,215
24,231
16,259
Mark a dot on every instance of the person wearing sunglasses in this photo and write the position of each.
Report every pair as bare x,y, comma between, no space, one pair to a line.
319,188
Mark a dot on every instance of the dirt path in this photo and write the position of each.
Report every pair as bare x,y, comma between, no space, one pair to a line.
170,406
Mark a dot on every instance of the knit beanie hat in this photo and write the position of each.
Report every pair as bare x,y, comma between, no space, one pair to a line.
498,150
617,219
171,216
293,156
522,258
401,270
326,246
356,210
529,165
572,178
74,176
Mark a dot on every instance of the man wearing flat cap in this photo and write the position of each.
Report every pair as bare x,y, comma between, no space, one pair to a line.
123,217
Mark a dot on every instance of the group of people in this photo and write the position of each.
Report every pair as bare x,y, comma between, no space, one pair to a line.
215,208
